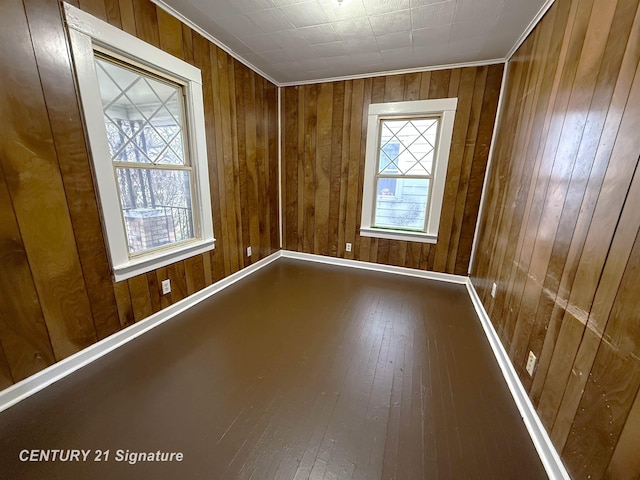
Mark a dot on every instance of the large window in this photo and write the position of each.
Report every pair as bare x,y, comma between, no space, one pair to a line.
406,163
145,122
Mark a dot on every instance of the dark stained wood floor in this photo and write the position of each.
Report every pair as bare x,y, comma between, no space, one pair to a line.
299,371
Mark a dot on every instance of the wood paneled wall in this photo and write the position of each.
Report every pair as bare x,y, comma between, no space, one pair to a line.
323,150
56,292
560,233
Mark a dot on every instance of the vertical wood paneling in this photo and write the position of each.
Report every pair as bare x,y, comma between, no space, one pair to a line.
187,44
468,157
467,80
615,191
113,12
176,273
301,172
262,169
69,142
363,244
309,166
344,166
240,173
488,114
213,261
355,129
146,19
272,125
336,141
334,115
290,169
170,34
125,308
39,200
23,333
53,250
157,299
323,169
559,234
250,121
5,374
127,17
94,7
139,288
194,274
222,105
625,461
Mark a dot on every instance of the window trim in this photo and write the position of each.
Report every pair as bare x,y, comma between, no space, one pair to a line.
445,108
87,34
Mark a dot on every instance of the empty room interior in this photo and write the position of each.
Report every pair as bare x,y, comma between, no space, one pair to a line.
320,239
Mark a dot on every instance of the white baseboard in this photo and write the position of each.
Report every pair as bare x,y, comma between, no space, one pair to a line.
548,455
547,452
61,369
378,267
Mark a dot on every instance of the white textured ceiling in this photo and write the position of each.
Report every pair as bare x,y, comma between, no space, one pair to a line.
301,40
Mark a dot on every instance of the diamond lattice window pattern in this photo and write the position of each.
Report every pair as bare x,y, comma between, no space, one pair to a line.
145,129
143,116
414,141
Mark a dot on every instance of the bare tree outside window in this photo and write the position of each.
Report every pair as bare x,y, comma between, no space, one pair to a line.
144,121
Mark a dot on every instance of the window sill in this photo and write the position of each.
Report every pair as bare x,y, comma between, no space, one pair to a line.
398,235
147,263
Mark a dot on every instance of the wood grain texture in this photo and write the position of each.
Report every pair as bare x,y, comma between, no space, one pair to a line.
365,386
323,144
559,232
97,8
32,172
170,34
127,17
146,20
57,84
23,333
6,379
625,461
53,249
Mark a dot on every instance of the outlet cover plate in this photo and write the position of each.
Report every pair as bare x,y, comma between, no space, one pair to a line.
531,364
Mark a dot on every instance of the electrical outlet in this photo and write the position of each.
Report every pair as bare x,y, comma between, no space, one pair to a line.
166,286
531,364
248,251
348,247
494,288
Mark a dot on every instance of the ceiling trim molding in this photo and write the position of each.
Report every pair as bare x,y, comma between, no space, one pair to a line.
479,63
172,11
533,24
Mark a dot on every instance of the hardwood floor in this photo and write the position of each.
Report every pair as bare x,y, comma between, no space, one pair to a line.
299,371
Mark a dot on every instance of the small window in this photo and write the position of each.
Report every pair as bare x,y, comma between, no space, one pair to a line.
406,163
145,122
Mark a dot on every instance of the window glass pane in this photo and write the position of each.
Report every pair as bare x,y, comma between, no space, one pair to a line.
407,146
388,157
156,206
401,203
142,114
387,186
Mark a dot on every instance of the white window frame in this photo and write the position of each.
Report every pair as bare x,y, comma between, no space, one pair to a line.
87,34
445,109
